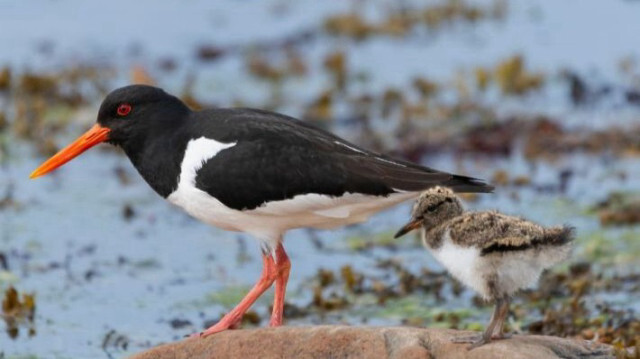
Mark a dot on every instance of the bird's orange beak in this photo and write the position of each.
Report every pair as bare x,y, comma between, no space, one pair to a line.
89,139
415,223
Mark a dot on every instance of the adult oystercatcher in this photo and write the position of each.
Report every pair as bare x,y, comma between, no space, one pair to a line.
252,171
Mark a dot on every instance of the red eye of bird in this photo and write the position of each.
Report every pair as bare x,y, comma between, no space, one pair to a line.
124,109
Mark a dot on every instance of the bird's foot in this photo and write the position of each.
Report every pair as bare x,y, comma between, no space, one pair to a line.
276,321
478,340
467,339
224,324
233,319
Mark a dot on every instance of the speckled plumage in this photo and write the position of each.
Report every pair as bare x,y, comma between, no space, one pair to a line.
492,231
493,253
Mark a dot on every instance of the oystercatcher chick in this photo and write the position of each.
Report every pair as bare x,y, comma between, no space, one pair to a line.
494,254
252,171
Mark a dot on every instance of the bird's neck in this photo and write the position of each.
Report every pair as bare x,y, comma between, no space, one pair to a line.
157,159
433,237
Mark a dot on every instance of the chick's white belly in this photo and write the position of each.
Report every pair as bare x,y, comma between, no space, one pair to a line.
511,271
516,270
463,263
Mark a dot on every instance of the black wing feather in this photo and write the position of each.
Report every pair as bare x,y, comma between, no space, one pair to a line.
278,157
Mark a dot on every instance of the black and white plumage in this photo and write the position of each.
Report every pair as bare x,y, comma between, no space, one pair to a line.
253,171
492,253
261,172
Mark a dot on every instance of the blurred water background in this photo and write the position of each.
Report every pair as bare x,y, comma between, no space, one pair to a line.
542,98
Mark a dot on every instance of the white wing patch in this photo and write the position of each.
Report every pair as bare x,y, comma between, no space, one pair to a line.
388,161
349,147
342,206
198,152
340,212
364,153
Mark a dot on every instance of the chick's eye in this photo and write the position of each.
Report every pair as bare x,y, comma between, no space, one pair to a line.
124,109
432,208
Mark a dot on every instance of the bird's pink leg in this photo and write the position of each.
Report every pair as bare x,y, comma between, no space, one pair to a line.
234,317
283,266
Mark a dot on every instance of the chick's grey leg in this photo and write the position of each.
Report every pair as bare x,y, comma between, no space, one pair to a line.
480,338
502,313
493,330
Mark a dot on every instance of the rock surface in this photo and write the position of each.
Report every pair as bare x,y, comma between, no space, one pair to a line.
368,342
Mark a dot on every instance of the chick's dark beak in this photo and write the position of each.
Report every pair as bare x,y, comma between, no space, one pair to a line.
415,223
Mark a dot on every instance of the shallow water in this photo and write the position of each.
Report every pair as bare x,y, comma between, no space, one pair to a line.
93,271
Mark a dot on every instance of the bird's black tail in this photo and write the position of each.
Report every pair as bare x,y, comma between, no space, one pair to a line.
407,176
464,184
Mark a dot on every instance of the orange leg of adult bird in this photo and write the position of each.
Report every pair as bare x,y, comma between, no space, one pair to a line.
283,266
234,317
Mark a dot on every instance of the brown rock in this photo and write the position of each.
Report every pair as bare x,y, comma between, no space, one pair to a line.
369,342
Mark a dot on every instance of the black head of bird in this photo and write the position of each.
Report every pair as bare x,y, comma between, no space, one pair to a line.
126,118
